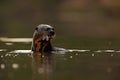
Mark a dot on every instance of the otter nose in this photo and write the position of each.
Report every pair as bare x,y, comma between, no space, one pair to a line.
52,32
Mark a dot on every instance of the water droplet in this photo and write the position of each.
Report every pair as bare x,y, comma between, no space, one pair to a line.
9,55
9,43
15,55
2,66
93,54
76,54
2,56
71,57
15,66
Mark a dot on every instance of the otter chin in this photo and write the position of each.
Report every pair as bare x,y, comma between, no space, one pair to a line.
42,37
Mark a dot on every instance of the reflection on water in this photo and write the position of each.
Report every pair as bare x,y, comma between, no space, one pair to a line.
19,63
3,49
21,51
43,65
5,39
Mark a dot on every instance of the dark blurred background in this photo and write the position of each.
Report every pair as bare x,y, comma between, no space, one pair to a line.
71,18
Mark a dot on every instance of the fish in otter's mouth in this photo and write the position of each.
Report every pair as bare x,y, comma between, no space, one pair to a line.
41,38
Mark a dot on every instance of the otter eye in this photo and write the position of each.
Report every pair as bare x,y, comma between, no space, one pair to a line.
53,29
47,29
36,28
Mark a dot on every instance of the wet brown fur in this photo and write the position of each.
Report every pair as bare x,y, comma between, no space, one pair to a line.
40,45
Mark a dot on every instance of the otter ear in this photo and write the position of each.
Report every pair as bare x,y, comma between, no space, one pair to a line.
36,28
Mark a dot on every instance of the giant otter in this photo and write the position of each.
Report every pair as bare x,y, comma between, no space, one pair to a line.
42,38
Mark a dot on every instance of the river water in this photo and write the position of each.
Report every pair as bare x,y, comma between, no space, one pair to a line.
17,62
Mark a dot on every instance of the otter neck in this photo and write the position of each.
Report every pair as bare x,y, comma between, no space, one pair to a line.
45,46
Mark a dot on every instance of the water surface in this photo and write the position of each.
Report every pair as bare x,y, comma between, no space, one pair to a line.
17,62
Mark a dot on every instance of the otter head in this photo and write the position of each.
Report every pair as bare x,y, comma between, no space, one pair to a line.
45,31
41,38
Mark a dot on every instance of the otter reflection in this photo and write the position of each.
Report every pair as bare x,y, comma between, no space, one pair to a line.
43,65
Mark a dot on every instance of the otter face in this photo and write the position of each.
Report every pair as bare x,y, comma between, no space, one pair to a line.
46,31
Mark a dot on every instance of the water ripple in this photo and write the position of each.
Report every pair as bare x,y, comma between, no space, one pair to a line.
21,51
5,39
64,51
